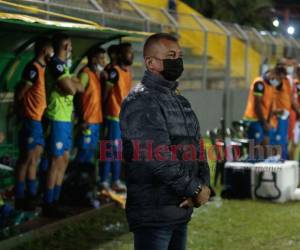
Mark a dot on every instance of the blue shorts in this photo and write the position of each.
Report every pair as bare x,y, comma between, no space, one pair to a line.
257,133
280,136
282,131
60,137
31,134
89,138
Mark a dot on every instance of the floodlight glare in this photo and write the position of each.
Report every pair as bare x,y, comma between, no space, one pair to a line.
291,30
276,22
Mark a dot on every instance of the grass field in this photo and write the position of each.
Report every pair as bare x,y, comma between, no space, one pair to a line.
221,224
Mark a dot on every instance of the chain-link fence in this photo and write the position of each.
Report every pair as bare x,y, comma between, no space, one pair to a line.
217,55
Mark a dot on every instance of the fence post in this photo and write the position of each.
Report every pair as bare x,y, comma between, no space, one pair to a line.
226,99
171,19
263,41
141,14
205,51
246,58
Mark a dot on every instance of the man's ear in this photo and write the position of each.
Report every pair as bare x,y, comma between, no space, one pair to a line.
66,46
148,62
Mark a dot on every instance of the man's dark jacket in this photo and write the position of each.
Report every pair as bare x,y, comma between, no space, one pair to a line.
154,114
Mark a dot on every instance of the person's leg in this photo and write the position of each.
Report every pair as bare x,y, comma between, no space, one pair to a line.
37,144
57,163
281,137
95,140
179,238
88,143
255,132
21,166
42,173
84,142
57,153
67,142
286,139
20,183
296,140
104,170
116,163
31,149
153,238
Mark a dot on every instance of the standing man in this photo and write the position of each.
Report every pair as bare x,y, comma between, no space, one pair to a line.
91,116
163,186
112,53
117,88
282,109
260,103
31,101
295,134
61,86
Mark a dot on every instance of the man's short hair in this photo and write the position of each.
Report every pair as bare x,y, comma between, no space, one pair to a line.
280,69
58,40
122,47
156,38
112,49
40,44
94,52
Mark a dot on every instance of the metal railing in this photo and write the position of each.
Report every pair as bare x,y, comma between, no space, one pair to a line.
217,55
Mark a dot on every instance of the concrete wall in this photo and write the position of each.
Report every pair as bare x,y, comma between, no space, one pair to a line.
208,106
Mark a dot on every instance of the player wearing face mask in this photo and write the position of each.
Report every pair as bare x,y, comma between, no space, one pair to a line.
281,110
260,103
294,133
91,116
31,100
61,86
117,88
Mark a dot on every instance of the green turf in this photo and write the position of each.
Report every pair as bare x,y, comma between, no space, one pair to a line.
221,224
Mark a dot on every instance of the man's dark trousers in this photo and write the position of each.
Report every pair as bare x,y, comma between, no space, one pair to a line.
172,237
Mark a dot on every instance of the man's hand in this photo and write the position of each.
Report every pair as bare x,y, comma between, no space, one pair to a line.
188,202
79,87
266,126
278,112
84,126
202,197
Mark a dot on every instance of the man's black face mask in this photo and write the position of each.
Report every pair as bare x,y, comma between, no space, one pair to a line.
173,69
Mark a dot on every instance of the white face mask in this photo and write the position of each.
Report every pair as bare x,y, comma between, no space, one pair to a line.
69,62
274,82
290,70
69,54
99,67
52,54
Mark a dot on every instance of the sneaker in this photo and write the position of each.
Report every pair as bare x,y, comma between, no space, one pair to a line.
104,186
53,211
118,187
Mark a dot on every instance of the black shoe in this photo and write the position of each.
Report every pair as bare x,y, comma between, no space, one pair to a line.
53,211
19,203
30,203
